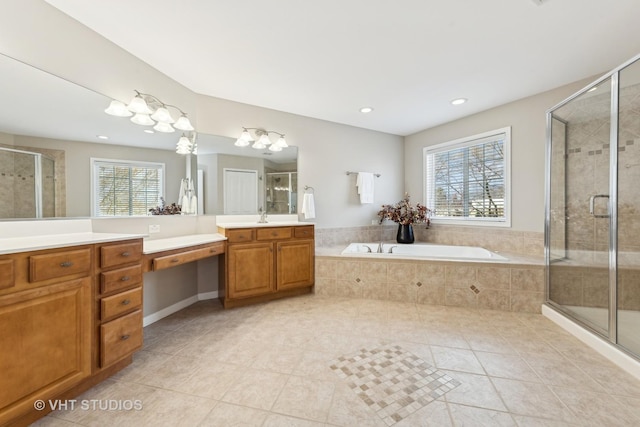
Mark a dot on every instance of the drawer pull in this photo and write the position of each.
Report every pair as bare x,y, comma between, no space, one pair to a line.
125,278
213,250
66,264
124,337
175,260
274,234
125,254
126,302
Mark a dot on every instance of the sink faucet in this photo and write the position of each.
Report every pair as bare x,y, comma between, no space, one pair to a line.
263,217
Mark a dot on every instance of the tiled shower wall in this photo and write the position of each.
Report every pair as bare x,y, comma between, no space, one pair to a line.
494,239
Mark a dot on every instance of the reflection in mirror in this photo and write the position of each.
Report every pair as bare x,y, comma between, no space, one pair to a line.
60,121
244,181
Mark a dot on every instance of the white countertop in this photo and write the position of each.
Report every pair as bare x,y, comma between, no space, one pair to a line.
49,241
160,245
259,225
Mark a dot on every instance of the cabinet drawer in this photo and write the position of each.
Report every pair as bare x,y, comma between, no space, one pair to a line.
239,236
120,337
121,278
118,304
59,264
125,253
274,233
303,232
7,273
168,261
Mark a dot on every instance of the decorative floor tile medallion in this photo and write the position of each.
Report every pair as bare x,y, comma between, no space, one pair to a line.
393,382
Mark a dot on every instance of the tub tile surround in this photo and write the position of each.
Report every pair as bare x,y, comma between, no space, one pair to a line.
515,285
459,284
510,368
494,239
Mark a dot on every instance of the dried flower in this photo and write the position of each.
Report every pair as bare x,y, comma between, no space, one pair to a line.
403,213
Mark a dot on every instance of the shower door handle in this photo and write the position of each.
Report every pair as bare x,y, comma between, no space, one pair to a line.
592,203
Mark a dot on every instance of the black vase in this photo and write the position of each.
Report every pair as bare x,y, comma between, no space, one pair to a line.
405,233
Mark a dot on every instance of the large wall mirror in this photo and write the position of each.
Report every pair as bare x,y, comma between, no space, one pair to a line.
50,129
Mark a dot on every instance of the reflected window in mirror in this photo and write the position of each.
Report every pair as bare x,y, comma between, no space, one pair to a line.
125,188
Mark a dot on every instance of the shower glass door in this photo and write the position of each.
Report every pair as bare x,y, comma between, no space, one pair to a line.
579,208
628,279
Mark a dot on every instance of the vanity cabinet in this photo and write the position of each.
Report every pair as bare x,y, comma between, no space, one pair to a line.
45,326
69,318
119,302
264,263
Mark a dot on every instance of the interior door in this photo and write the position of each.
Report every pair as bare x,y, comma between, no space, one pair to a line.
240,191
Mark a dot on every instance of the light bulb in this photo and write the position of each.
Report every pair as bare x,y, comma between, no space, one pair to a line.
183,123
142,119
162,115
164,127
117,108
139,106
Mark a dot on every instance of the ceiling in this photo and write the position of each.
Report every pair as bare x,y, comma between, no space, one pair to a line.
406,58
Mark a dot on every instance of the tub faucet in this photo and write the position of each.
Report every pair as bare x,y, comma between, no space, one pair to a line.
380,248
391,248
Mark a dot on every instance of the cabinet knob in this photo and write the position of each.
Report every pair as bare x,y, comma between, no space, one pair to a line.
66,264
358,280
125,278
274,234
125,254
126,302
124,337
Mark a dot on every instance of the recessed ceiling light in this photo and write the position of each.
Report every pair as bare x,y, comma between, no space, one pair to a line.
102,137
366,109
149,131
459,101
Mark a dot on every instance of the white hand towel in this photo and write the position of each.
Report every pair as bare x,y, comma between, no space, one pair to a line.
365,187
308,206
182,192
185,205
193,208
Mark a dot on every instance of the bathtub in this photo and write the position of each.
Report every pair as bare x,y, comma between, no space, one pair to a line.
422,251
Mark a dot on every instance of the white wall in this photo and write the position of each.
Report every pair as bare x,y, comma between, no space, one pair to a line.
527,119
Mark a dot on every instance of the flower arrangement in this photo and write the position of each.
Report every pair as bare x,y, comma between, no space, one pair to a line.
163,209
403,213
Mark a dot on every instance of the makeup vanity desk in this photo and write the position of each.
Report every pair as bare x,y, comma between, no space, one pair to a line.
173,251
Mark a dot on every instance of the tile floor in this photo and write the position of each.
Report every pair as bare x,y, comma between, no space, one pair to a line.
271,365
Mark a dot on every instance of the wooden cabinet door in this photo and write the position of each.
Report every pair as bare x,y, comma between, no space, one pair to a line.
250,270
295,264
45,349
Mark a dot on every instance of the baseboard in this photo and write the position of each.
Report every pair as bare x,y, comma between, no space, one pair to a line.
603,347
167,311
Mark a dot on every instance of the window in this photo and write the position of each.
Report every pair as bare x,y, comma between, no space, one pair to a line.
125,188
468,180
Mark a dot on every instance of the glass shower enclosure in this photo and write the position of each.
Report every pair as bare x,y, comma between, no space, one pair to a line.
281,192
27,184
592,224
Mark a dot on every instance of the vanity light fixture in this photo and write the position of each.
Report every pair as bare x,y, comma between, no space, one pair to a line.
186,145
262,141
459,101
148,110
